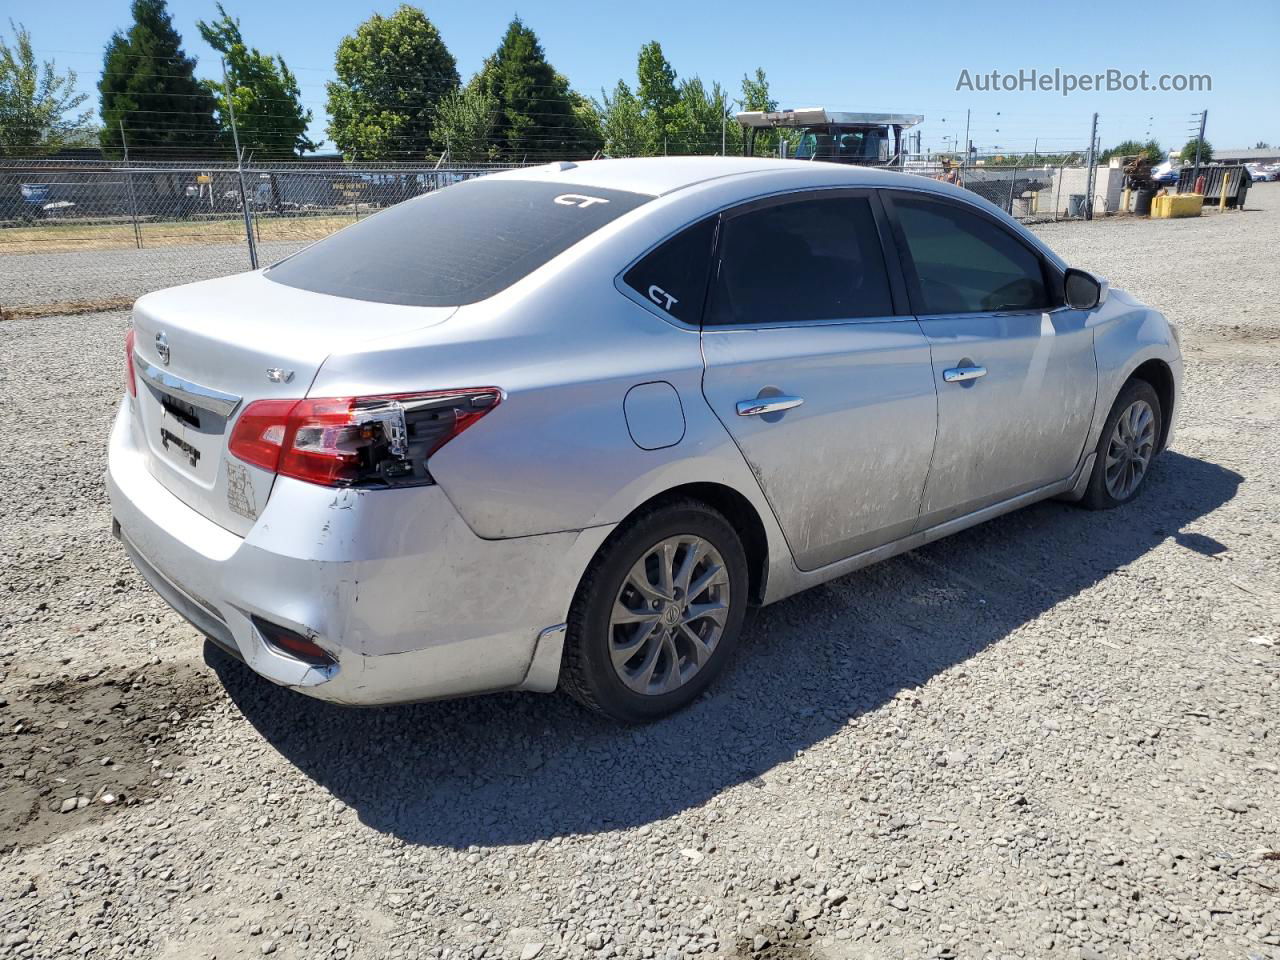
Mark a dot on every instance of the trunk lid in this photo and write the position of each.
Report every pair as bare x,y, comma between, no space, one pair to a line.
205,351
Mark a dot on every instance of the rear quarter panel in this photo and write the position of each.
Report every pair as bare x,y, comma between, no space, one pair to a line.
565,346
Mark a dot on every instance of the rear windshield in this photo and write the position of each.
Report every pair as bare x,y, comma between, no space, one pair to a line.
454,246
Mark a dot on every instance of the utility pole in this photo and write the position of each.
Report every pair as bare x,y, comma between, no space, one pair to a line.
1090,159
133,200
1195,174
967,145
244,196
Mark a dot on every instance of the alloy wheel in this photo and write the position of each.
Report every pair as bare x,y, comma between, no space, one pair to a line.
669,615
1130,449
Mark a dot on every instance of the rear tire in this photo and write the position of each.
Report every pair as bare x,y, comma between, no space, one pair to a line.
657,615
1129,443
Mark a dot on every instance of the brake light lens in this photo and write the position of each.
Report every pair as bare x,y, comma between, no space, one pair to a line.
357,441
130,382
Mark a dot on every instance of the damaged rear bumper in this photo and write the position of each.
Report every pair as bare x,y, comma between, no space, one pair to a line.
407,602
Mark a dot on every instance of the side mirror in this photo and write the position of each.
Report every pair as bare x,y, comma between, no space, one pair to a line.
1083,290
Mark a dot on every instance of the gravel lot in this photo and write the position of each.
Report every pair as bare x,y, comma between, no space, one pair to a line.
1056,735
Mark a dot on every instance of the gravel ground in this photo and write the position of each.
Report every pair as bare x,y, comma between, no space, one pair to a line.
1055,735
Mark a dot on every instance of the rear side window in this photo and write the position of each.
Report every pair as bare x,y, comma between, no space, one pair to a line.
454,246
966,263
817,259
674,275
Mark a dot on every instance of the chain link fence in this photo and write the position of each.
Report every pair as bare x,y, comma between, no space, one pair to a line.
84,235
1032,194
78,235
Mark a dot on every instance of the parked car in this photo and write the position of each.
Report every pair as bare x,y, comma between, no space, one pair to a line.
1260,174
1165,173
564,425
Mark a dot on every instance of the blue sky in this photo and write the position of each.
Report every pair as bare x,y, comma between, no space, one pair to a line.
843,55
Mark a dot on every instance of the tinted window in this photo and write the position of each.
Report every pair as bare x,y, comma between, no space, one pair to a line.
966,263
674,275
814,259
454,246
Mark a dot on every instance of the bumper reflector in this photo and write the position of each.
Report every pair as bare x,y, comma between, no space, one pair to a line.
292,644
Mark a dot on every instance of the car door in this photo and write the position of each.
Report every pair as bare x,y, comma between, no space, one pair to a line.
1014,368
818,372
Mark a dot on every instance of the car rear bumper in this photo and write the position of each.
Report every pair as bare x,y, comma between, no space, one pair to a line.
392,584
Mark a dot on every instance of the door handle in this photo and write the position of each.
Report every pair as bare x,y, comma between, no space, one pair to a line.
961,374
758,405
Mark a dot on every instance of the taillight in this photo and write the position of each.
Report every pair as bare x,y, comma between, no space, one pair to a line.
357,441
130,383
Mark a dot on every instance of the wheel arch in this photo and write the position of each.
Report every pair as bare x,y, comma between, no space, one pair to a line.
742,516
1160,376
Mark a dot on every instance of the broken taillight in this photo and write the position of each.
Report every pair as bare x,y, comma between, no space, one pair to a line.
131,384
357,441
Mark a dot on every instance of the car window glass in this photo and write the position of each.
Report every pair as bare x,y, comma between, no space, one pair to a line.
674,275
457,245
816,259
966,263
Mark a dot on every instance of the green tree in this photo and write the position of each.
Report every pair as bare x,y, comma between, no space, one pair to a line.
623,123
538,116
37,103
699,121
392,74
270,118
464,125
668,115
658,93
1188,154
1129,148
1262,145
756,96
148,86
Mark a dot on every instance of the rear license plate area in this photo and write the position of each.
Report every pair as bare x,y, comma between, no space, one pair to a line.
179,447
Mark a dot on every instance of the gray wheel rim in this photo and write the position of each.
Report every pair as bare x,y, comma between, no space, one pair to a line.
669,615
1129,450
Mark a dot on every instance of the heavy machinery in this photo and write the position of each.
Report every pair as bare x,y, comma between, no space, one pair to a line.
865,139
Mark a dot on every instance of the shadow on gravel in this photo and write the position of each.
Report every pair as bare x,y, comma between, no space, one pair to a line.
515,768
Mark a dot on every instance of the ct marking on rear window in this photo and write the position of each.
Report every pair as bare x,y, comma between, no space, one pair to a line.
577,200
663,299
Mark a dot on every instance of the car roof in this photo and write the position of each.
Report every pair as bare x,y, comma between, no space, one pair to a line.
658,176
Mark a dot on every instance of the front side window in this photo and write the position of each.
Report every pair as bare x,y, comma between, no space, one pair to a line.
674,275
816,259
457,245
967,263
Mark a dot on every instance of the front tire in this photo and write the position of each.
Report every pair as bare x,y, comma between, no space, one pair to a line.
658,613
1129,442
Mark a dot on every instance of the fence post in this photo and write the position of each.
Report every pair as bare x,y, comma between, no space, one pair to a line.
1091,158
244,197
133,200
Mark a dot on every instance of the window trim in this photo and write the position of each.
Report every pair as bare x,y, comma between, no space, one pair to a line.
898,293
635,296
898,289
1051,276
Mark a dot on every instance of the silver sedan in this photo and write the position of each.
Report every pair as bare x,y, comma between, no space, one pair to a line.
562,426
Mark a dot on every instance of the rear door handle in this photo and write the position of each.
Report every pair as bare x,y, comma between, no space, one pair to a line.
759,405
961,374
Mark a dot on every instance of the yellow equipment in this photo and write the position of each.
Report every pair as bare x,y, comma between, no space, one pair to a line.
1177,205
